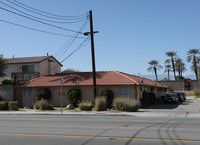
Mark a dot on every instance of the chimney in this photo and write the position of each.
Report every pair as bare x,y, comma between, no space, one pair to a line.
47,54
13,56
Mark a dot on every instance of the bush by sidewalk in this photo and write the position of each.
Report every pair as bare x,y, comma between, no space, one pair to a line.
13,105
126,104
43,105
4,105
100,104
85,106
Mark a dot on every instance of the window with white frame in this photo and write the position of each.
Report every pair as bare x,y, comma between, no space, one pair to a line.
125,90
28,92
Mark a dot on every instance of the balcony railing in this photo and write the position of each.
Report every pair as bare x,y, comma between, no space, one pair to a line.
25,76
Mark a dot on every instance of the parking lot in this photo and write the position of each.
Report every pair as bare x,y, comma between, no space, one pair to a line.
191,107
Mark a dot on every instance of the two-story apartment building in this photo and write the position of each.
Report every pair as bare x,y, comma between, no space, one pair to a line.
26,68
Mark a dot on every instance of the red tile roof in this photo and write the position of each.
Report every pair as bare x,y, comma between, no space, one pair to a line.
86,78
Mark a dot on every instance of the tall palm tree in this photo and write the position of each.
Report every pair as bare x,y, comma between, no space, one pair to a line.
154,66
168,68
172,55
2,66
192,57
180,67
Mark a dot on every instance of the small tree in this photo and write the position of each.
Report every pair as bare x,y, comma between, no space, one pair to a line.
2,66
74,97
43,93
108,95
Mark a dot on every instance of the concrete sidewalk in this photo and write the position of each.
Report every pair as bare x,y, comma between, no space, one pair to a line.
190,108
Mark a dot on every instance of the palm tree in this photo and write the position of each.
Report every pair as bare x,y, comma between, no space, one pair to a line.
180,67
2,66
172,55
192,57
168,68
154,66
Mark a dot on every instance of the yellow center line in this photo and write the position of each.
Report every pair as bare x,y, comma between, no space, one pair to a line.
101,137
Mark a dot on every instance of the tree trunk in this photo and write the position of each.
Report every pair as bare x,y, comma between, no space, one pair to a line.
155,71
173,66
168,74
195,67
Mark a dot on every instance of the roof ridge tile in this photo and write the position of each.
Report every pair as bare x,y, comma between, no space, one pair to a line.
125,76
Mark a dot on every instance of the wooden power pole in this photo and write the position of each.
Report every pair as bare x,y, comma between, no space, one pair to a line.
93,53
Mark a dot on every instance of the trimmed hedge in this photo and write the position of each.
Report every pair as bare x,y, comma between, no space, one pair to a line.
100,104
43,93
13,105
43,105
126,104
108,95
74,97
85,106
4,105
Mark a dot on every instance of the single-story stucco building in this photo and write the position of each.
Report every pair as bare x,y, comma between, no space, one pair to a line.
122,85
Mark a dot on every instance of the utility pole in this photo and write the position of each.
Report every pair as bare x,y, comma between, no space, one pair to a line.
93,53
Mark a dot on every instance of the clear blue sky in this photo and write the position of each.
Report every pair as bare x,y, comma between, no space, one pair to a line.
131,32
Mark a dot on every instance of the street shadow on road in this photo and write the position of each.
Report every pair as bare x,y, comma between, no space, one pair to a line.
163,106
169,106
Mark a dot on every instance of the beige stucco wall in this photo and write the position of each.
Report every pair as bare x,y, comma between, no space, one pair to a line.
87,93
15,68
49,66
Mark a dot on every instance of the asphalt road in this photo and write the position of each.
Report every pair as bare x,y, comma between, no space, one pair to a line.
98,130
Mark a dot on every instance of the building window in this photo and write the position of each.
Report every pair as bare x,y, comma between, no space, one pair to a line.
125,90
28,92
27,68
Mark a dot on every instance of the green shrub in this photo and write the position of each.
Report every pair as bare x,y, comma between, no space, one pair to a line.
196,92
43,105
43,93
100,104
108,95
4,105
74,97
13,105
126,104
7,82
85,106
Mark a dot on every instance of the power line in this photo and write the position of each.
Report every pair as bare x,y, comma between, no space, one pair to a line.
81,45
37,29
77,16
64,49
39,17
44,15
40,21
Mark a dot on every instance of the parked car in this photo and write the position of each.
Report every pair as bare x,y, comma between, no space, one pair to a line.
171,98
184,95
180,97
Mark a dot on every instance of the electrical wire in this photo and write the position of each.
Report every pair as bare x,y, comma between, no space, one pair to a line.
69,41
63,17
42,14
81,45
39,17
66,47
37,29
40,21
